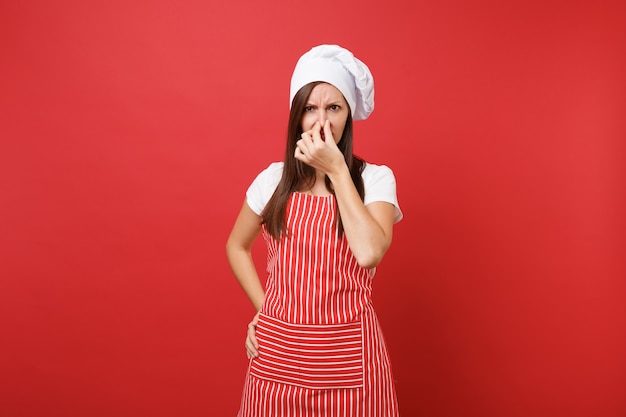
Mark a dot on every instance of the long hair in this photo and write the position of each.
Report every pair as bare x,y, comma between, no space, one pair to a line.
297,174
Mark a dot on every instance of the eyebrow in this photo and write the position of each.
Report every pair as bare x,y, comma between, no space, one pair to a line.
334,103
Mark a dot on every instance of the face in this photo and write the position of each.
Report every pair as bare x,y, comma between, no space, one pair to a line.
326,103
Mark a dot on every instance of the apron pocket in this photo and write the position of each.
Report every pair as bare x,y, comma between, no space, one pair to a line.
315,356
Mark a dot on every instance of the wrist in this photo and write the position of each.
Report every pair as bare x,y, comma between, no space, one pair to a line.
339,174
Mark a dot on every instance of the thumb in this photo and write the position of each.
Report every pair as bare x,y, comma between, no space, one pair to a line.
329,134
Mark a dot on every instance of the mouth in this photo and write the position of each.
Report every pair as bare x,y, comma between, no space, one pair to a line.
323,135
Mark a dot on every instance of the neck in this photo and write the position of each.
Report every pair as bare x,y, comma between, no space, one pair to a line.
317,186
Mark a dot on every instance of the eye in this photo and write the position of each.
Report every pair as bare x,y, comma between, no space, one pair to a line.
308,108
334,107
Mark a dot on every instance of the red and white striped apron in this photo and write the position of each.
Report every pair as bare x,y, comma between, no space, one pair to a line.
321,351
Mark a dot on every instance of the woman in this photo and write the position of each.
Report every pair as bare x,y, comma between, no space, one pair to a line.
327,217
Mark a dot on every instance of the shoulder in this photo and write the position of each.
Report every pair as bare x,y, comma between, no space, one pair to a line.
275,167
263,186
270,176
379,183
273,172
373,172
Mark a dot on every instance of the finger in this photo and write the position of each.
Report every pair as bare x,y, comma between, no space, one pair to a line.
306,138
328,133
317,132
253,341
252,346
303,144
252,334
306,146
299,153
251,351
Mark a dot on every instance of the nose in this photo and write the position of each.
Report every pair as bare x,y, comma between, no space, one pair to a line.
322,116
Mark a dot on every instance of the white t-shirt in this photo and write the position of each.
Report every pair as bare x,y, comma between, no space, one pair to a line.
378,181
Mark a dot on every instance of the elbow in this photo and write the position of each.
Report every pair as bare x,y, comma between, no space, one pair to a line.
371,259
236,249
231,249
369,263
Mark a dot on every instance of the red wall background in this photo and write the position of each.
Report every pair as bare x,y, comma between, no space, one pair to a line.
131,129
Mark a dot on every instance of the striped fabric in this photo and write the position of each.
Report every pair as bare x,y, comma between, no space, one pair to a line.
309,356
321,351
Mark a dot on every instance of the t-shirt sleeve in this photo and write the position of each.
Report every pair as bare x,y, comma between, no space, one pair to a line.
263,187
380,185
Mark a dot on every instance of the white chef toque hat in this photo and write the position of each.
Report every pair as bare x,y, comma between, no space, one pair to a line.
337,66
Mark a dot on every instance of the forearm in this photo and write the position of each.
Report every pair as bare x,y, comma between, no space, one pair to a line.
243,268
366,236
239,253
368,230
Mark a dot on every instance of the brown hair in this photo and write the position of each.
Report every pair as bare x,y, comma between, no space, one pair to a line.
297,173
